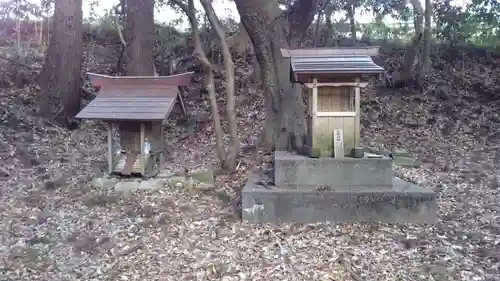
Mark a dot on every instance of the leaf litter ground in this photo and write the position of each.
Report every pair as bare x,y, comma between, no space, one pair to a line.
56,226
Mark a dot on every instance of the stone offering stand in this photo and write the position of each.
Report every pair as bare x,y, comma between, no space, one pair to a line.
336,180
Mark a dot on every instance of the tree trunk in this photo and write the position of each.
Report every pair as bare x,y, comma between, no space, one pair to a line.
139,35
328,25
40,36
234,147
316,38
239,41
426,56
46,80
352,22
50,21
285,126
61,73
256,69
412,49
18,31
189,10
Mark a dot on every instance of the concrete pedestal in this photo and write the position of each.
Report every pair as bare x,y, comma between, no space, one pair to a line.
296,171
310,190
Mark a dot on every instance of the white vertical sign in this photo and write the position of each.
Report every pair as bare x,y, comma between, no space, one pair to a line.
338,143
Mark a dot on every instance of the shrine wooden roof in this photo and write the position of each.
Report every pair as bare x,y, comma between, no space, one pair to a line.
335,64
133,98
100,80
331,62
334,51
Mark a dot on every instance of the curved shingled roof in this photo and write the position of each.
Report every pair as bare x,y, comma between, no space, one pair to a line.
134,98
127,103
334,64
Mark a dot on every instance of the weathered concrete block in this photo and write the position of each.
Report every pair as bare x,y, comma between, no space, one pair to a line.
104,182
164,173
176,181
292,171
127,186
403,203
204,179
152,184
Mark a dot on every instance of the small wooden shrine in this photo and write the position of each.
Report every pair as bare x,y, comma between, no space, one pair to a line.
138,107
333,78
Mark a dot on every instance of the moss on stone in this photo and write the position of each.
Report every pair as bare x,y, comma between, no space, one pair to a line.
323,143
314,153
206,176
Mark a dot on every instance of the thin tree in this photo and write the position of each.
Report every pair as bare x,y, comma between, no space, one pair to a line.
190,11
230,86
426,54
328,24
351,9
317,28
412,49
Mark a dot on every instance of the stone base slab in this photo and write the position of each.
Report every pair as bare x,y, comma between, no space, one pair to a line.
403,203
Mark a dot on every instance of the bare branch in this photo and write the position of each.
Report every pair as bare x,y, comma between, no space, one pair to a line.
230,86
209,76
182,6
119,10
301,14
120,33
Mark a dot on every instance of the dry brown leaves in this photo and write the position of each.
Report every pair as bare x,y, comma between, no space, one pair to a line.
57,227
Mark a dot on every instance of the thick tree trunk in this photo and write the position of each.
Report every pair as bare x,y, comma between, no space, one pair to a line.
60,78
426,56
139,35
285,126
47,78
234,147
256,69
412,49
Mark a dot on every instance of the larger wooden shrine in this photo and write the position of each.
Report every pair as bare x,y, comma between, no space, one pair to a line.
138,107
333,78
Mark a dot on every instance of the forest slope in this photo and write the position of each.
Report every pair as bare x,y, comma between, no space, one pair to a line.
59,227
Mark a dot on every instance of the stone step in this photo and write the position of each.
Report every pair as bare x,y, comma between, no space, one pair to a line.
403,203
293,171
